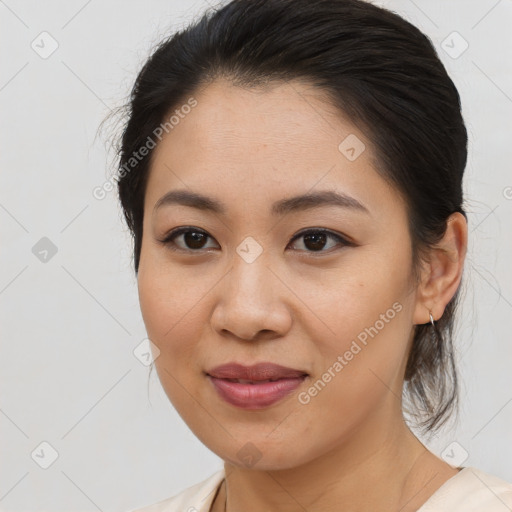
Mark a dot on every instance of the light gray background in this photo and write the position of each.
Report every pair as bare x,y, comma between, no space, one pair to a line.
69,325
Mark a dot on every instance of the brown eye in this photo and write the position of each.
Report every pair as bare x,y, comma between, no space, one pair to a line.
186,239
194,239
316,240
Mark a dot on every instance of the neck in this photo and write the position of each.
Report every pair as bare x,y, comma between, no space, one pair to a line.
379,469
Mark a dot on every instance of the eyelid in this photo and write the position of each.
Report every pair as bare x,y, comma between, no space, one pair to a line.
168,238
329,232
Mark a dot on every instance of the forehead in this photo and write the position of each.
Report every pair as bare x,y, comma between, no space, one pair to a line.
230,119
263,144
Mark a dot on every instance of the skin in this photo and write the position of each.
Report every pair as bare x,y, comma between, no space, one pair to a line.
349,447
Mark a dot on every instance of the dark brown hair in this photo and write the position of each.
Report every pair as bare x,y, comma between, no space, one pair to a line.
377,69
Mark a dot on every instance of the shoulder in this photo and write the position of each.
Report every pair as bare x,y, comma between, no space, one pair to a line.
196,498
471,490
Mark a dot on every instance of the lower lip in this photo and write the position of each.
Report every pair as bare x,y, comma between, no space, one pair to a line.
255,396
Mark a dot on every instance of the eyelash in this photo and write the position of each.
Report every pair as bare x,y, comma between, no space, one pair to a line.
168,240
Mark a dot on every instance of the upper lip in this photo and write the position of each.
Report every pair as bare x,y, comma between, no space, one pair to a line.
259,371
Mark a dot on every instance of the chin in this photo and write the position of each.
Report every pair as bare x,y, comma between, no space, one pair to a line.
258,454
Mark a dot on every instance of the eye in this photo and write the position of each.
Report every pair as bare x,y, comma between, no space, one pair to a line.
315,240
191,239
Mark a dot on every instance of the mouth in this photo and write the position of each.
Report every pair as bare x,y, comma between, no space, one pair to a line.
265,371
257,386
244,381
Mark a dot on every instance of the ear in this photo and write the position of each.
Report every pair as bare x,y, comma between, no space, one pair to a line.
442,272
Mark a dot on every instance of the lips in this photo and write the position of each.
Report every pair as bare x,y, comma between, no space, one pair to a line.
257,386
255,373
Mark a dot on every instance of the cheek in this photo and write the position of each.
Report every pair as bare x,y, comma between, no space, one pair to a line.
359,375
167,307
174,302
172,325
363,334
353,299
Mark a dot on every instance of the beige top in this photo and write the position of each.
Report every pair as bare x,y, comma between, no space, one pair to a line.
470,490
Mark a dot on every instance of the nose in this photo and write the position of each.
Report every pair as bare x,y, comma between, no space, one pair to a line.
251,302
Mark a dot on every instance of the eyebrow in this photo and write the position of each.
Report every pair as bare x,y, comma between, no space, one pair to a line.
293,204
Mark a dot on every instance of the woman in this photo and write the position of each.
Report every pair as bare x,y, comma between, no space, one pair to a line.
291,172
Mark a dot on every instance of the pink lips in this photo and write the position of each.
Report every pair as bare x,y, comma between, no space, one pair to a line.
259,392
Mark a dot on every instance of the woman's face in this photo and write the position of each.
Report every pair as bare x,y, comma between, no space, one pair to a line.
252,282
